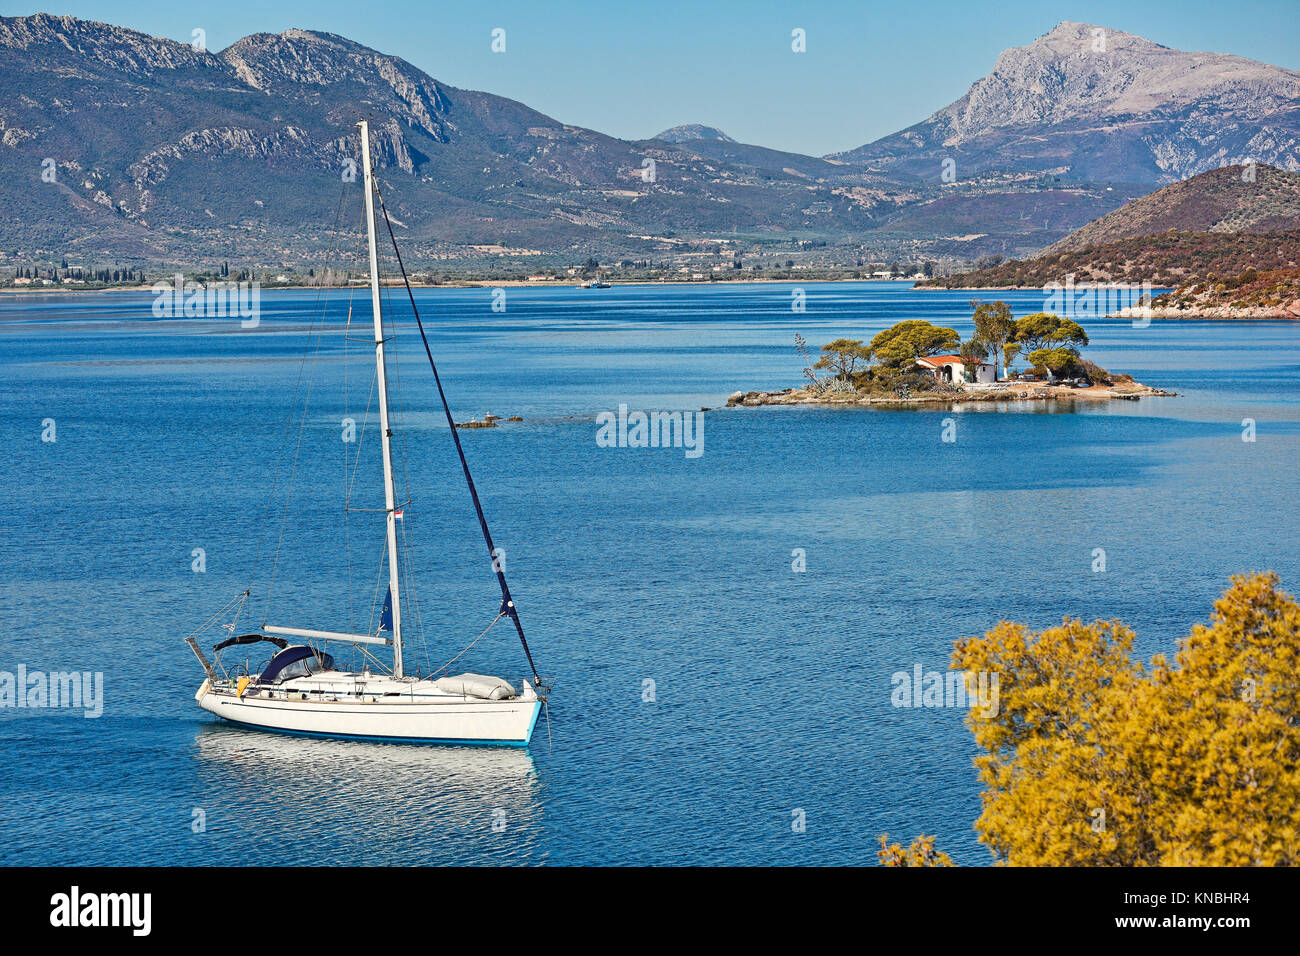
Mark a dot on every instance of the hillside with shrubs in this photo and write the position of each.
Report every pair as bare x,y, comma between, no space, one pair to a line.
1219,223
1168,259
1273,293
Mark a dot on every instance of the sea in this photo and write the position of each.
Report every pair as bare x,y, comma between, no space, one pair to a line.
723,629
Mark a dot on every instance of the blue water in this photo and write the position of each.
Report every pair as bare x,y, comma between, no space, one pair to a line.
772,688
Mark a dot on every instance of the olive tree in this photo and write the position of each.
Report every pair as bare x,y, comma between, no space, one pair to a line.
842,357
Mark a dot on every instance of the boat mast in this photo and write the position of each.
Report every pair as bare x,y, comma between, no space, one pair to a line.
386,433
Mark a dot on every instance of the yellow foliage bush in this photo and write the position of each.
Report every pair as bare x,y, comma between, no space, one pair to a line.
920,853
1094,760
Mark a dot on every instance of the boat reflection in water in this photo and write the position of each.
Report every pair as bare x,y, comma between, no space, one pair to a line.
276,800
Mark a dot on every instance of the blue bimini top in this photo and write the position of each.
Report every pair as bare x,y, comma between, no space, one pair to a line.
295,661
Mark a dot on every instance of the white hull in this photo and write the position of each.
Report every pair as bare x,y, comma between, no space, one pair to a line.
411,717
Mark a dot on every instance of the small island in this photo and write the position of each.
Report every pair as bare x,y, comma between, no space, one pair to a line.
489,421
917,363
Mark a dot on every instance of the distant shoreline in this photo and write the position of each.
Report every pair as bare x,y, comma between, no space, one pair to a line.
465,284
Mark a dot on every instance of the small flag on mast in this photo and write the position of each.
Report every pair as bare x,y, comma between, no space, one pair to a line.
386,616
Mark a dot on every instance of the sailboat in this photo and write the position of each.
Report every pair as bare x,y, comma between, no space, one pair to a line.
301,691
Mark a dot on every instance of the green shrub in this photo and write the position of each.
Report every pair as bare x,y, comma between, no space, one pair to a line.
1095,373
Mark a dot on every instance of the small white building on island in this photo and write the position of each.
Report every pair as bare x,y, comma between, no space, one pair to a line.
954,369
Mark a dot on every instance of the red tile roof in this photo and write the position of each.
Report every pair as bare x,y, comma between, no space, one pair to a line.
937,360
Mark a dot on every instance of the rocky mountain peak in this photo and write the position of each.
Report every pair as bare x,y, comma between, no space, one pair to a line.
1079,71
1069,37
298,57
293,59
91,42
1091,103
693,132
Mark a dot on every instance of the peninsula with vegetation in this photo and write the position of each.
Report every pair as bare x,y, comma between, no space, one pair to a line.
915,362
1226,241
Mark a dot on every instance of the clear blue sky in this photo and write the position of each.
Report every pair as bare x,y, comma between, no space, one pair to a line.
633,68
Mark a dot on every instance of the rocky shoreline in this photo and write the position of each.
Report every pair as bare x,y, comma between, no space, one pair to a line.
1289,312
1013,392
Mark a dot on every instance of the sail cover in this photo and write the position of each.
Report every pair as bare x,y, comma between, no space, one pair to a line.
386,616
477,685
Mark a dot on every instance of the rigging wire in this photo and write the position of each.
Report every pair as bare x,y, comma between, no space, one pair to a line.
293,471
347,522
308,371
398,427
352,466
238,599
334,255
447,666
507,603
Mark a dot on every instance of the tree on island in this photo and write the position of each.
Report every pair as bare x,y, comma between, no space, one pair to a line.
842,357
1045,330
995,326
1009,353
900,345
1058,362
973,351
1051,342
1048,341
1090,758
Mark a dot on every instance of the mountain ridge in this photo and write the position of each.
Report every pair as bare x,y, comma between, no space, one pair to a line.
155,150
1129,108
138,130
1232,199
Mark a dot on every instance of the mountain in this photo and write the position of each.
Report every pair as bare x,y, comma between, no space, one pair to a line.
708,142
1220,222
117,145
691,132
773,162
1231,199
164,152
1091,104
